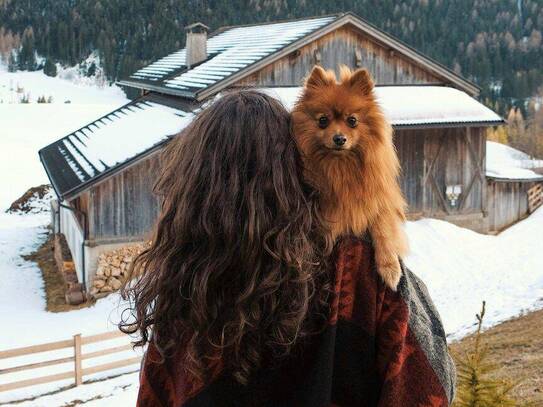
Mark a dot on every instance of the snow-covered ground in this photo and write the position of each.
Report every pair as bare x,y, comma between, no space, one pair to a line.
69,86
462,268
23,315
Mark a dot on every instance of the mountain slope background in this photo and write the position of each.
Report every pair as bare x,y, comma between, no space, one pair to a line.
496,43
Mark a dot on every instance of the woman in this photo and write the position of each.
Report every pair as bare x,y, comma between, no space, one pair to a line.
242,304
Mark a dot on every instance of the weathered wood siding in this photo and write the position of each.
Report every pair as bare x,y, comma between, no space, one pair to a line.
124,206
410,149
81,204
346,46
431,159
507,202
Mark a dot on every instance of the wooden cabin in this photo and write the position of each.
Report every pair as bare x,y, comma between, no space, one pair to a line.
103,173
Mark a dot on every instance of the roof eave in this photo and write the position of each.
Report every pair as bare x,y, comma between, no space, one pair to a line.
155,88
434,125
505,179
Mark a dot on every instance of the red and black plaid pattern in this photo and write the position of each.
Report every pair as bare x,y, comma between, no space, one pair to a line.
381,348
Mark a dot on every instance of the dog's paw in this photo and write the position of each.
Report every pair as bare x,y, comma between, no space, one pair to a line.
390,271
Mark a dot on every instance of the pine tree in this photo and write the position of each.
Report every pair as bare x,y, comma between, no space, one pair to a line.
12,62
475,387
50,69
27,55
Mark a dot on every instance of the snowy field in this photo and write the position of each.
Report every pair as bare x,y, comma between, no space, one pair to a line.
461,268
25,128
69,86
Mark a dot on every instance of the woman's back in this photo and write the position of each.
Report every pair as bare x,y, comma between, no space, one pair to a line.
379,348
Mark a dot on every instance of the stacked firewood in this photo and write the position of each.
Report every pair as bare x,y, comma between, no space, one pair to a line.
113,269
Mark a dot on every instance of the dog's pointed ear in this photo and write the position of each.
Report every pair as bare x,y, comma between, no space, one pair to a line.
318,78
361,81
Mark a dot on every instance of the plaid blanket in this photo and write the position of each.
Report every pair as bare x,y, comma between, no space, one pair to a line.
380,348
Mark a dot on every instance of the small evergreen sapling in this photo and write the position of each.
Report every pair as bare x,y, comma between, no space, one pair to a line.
475,387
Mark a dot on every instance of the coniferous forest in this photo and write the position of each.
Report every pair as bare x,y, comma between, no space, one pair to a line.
496,43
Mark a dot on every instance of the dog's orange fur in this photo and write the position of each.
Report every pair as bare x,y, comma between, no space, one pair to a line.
358,182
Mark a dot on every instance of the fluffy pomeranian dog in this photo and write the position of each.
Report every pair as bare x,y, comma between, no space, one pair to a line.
349,157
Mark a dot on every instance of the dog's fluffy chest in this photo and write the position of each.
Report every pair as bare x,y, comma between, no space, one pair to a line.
346,217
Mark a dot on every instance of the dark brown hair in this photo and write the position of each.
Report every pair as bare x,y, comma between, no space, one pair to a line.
235,267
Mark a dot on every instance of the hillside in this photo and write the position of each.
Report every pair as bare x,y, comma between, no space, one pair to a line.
498,44
27,127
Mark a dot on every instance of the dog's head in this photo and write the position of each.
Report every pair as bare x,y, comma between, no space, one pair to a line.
339,118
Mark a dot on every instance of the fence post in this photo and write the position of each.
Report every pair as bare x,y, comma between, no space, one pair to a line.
77,360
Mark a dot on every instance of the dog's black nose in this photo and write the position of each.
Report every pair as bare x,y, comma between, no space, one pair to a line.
339,140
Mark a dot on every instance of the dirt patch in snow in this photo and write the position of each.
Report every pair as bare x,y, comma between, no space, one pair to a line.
53,281
516,346
32,201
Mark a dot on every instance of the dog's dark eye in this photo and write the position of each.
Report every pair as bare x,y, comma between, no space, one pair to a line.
351,121
323,122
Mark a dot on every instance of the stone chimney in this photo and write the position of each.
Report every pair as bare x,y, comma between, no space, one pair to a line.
196,48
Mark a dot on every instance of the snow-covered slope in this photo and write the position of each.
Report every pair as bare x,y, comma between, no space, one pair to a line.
462,268
69,86
25,128
506,162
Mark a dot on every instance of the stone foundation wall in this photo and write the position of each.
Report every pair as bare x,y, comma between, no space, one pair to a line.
113,269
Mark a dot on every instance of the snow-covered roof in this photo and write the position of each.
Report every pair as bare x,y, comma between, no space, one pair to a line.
507,163
229,51
109,142
233,52
410,106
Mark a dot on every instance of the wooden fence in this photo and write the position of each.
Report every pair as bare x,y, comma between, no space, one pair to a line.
77,373
535,197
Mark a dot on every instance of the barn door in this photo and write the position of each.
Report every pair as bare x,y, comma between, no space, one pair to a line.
453,171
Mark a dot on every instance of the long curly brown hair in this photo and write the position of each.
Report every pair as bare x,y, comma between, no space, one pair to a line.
235,271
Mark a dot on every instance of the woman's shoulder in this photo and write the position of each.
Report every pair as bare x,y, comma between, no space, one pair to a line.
357,279
363,298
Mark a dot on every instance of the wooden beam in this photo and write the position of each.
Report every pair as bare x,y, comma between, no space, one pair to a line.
478,172
102,337
35,349
111,365
430,175
77,360
36,365
107,351
35,381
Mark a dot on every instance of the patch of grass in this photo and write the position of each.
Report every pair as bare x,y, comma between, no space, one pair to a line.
53,281
516,347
